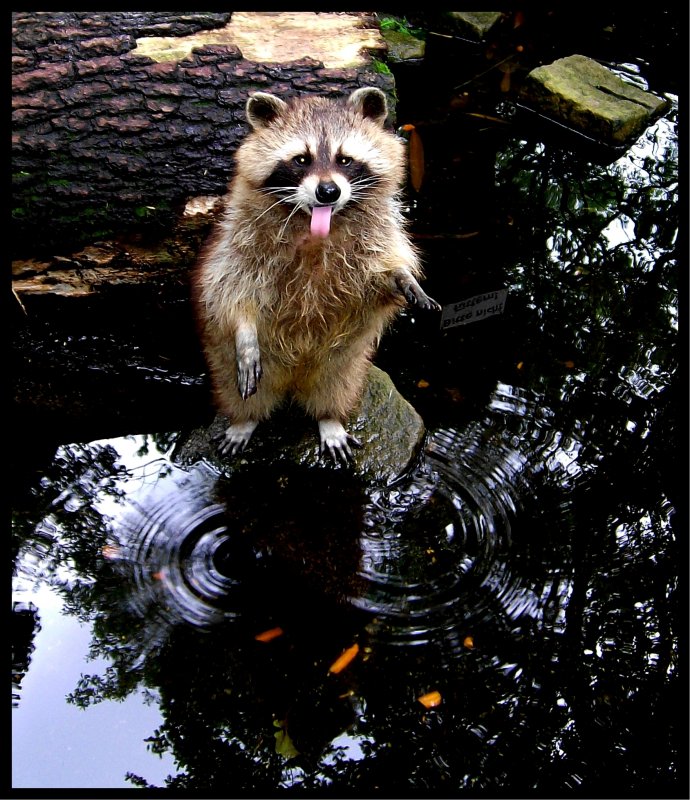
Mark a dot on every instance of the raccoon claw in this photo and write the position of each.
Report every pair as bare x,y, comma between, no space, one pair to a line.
248,377
428,303
341,452
235,438
414,294
337,442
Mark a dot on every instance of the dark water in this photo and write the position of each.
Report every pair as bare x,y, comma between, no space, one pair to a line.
527,568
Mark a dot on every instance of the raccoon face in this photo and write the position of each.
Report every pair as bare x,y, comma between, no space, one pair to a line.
320,182
317,156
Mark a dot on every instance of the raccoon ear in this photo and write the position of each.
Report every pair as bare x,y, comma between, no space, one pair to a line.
371,102
263,108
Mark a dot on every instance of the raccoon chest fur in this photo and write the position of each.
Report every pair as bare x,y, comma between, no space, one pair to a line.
319,300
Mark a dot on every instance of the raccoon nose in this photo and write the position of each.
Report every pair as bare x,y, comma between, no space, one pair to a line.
327,192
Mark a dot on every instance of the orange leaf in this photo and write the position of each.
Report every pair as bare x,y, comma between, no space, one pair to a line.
430,699
468,641
422,384
340,663
269,635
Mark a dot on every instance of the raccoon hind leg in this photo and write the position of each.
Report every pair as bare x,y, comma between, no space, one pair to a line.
331,392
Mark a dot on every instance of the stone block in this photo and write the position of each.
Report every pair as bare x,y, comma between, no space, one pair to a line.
403,46
474,24
592,99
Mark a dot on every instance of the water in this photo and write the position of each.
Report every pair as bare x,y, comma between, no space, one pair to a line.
526,569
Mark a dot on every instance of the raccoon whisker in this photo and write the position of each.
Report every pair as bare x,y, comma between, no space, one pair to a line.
273,205
367,182
360,195
285,194
283,227
285,190
363,188
361,191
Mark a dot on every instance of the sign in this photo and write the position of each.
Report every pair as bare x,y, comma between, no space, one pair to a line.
474,308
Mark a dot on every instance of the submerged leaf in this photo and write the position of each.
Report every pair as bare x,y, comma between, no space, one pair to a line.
284,744
269,635
430,699
342,661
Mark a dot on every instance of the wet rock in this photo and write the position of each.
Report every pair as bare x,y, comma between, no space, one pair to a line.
592,99
474,24
403,46
390,430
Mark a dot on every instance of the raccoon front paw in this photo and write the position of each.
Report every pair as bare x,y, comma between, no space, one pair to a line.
248,375
336,441
235,438
414,294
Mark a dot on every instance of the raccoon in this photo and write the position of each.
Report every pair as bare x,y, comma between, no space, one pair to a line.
308,264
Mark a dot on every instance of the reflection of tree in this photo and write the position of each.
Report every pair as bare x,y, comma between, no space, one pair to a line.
61,538
224,696
591,251
25,625
220,707
65,498
601,293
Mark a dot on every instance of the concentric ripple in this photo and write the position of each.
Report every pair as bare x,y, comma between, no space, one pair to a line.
436,548
171,548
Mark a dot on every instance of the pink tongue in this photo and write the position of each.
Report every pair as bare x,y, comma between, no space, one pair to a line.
321,220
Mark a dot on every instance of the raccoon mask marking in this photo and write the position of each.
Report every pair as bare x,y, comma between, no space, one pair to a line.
322,164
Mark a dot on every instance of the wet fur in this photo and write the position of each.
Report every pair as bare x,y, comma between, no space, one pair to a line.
315,307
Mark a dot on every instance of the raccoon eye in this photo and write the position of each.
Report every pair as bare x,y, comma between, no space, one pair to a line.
303,160
343,161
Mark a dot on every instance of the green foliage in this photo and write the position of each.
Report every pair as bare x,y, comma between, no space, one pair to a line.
380,67
401,25
143,211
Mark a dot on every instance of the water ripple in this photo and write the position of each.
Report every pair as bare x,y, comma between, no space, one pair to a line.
436,552
169,545
437,546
